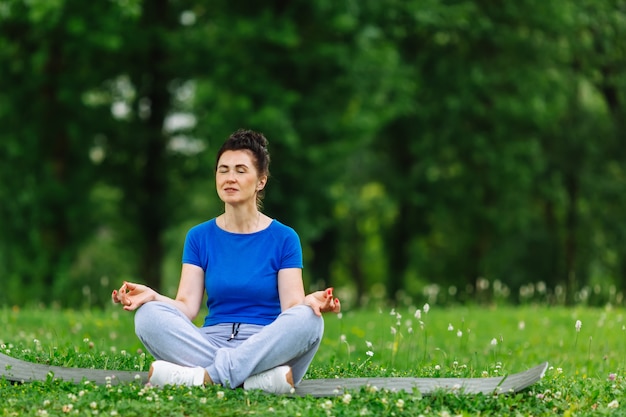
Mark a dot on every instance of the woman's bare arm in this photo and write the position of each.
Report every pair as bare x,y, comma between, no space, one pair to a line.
188,299
291,293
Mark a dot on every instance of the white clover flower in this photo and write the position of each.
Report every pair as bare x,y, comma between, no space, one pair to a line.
437,368
418,314
369,353
613,404
400,403
494,341
368,344
578,325
459,334
521,325
346,398
93,405
220,395
203,400
343,338
393,330
426,308
450,327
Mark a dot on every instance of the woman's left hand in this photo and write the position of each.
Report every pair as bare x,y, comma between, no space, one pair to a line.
323,302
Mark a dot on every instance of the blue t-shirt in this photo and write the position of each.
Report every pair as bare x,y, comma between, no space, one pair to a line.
241,270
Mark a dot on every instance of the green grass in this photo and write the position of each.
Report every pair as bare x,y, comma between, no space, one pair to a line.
586,374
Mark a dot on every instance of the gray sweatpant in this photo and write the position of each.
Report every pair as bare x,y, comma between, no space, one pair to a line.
292,339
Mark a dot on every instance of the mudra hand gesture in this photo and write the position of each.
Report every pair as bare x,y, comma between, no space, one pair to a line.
132,296
323,302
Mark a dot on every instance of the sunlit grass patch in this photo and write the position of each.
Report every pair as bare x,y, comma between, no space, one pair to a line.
586,374
471,340
87,339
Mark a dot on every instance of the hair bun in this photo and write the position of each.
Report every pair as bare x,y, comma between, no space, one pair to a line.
250,136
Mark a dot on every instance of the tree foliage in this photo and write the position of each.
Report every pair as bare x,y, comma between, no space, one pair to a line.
414,142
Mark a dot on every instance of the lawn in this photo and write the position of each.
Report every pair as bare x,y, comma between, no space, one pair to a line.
586,349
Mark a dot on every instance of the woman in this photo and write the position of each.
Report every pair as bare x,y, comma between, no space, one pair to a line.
261,330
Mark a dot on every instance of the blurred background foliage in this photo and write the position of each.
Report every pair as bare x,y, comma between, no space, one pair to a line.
456,151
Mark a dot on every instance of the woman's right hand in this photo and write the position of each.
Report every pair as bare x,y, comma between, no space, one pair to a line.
132,296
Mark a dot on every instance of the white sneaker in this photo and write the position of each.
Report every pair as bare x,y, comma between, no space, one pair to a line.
275,381
166,373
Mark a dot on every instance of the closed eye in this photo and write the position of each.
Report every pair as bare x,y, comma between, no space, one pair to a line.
241,169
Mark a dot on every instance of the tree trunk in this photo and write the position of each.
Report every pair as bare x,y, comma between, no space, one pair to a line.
54,224
153,83
572,188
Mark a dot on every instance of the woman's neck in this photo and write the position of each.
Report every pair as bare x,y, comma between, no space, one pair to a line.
240,221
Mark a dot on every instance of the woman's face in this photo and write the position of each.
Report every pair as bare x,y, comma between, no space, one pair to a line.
236,179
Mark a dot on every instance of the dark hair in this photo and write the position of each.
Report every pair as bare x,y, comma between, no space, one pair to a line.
254,142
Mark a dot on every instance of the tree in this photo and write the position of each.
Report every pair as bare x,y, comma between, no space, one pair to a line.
51,52
286,69
470,165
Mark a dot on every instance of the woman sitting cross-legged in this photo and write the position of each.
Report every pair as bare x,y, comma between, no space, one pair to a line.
261,331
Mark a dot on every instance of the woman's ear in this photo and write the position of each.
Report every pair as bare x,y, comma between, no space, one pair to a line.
261,184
